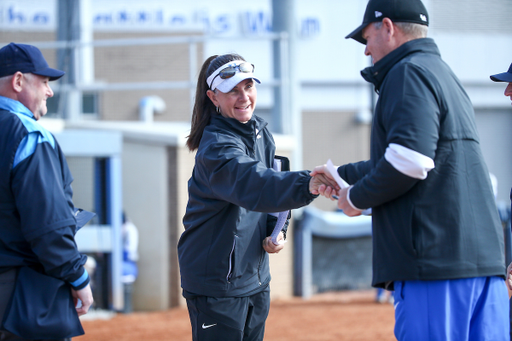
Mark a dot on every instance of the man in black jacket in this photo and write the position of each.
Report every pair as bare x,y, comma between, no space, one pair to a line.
437,238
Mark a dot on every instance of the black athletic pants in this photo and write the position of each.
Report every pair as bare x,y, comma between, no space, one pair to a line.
228,318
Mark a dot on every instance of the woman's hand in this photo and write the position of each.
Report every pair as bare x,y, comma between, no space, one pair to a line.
509,278
322,182
270,247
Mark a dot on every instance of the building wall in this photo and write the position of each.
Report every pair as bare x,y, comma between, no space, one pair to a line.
333,135
82,169
183,162
128,64
145,199
30,36
281,264
496,141
147,63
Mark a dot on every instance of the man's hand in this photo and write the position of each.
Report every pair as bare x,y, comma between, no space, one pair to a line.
270,247
85,296
321,181
509,277
343,204
325,183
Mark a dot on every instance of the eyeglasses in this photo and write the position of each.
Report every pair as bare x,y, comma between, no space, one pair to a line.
230,71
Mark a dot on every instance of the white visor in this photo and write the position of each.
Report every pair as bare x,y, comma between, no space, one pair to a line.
225,85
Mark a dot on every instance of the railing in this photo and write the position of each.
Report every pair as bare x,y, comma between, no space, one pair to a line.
79,63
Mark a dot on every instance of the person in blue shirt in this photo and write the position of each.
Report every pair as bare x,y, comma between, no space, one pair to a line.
37,215
130,239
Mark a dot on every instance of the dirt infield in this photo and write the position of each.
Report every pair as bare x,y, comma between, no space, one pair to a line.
347,316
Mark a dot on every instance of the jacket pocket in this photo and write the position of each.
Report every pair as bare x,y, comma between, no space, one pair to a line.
231,262
42,301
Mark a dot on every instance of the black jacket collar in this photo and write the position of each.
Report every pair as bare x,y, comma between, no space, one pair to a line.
375,74
247,131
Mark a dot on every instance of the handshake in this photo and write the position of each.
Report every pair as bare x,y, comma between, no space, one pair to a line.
323,183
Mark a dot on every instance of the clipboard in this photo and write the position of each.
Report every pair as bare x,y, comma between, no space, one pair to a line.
82,217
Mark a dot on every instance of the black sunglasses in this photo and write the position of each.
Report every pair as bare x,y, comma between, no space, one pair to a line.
230,71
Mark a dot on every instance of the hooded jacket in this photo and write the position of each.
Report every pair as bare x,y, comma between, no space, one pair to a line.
445,226
232,189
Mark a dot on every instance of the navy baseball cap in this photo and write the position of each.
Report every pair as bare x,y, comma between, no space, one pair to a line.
412,11
26,59
504,76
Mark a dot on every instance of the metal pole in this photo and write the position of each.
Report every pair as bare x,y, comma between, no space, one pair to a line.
508,254
86,56
508,237
193,72
70,104
289,120
278,26
114,192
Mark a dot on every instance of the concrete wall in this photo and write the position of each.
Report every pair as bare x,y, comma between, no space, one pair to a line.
333,135
148,63
182,161
281,264
496,140
145,198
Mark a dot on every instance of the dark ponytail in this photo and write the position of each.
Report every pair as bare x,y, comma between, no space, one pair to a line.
203,106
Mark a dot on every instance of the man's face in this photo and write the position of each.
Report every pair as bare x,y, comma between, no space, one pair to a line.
36,89
376,42
508,91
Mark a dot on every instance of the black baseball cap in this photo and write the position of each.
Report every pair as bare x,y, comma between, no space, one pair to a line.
504,76
26,59
412,11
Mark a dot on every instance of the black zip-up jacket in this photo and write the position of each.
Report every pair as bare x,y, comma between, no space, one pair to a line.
232,188
447,225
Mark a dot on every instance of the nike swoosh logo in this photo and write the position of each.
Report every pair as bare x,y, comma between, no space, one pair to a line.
208,326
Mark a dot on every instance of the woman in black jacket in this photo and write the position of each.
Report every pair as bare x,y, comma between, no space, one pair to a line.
223,253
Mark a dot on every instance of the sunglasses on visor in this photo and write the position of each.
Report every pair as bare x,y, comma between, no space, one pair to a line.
230,71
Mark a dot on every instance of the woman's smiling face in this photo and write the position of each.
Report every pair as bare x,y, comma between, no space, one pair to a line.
239,103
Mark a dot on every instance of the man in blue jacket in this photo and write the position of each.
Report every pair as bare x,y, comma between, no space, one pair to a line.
437,237
37,220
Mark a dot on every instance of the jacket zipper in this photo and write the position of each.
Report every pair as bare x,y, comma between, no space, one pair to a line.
259,267
230,269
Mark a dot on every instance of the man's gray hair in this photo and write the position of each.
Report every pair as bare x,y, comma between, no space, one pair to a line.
409,29
5,80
